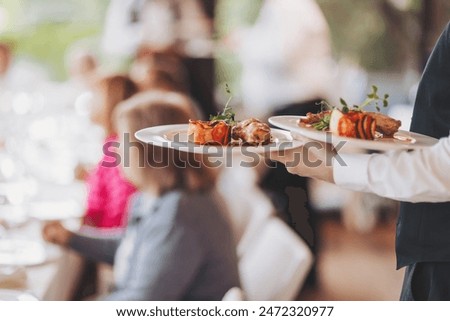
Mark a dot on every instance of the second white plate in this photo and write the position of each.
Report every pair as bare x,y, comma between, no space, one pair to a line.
401,140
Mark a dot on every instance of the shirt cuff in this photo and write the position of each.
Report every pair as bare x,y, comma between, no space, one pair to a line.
351,171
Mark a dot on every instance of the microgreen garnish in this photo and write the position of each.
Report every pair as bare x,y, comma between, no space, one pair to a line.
372,99
324,123
227,114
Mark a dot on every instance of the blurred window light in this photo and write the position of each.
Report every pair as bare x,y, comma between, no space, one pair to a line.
7,168
22,103
83,103
39,102
4,18
15,195
6,97
44,128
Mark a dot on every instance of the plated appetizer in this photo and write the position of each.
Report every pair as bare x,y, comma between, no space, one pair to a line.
223,129
219,132
353,121
251,132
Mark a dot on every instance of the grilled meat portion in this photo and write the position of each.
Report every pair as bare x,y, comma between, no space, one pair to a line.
251,132
385,124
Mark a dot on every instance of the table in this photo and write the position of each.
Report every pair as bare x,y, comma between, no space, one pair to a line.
57,278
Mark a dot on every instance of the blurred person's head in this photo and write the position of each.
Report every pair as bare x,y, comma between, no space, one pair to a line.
81,64
158,169
108,93
160,72
5,58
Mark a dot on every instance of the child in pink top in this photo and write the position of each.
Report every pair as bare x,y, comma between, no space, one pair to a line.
108,190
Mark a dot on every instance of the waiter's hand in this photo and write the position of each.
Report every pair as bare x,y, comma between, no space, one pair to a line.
313,159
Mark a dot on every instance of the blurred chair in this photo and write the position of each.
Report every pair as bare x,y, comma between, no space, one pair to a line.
234,294
273,260
248,206
275,264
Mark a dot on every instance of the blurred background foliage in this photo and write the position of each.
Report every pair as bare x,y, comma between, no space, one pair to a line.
379,35
385,34
42,30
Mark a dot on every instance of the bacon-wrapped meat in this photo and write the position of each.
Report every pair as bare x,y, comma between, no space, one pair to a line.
215,132
251,132
354,124
386,125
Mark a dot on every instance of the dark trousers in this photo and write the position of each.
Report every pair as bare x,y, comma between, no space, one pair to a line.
426,281
200,73
289,193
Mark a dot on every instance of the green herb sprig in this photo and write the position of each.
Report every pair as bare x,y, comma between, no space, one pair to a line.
227,115
324,123
373,98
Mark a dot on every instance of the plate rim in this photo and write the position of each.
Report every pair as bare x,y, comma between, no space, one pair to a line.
157,133
354,142
43,260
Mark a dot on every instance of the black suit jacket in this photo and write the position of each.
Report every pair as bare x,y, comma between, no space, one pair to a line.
423,229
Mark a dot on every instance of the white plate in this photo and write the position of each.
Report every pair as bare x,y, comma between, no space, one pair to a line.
13,295
175,137
402,139
22,252
55,210
13,215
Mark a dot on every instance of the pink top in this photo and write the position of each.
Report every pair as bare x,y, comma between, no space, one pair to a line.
108,192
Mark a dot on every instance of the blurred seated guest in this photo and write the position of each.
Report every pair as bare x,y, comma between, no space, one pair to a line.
108,190
76,96
76,92
18,75
5,61
178,244
162,72
82,67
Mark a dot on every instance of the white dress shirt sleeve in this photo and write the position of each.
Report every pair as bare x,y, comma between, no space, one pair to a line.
417,176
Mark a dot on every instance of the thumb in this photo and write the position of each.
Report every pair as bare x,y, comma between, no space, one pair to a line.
285,155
